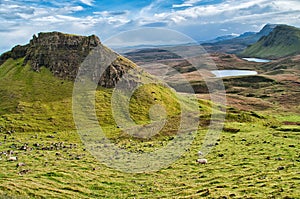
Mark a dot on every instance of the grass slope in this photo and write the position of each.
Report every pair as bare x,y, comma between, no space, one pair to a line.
250,160
33,101
281,42
246,164
42,102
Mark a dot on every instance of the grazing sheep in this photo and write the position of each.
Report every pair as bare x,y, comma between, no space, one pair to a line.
12,158
202,161
21,164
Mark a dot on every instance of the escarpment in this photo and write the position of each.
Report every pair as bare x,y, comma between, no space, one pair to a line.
63,55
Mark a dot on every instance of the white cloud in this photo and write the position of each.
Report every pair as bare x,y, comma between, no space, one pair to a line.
192,1
187,3
229,11
178,19
191,17
112,13
182,5
76,8
87,2
148,10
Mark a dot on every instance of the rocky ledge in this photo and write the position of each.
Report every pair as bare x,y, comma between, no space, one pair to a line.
63,54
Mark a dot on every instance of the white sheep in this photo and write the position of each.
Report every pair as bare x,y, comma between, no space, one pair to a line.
202,161
12,158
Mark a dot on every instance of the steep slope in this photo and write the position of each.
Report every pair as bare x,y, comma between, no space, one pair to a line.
37,82
281,42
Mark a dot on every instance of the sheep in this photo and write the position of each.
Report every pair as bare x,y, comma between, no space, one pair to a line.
12,158
202,161
21,164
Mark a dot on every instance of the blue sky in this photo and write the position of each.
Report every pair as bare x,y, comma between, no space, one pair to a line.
199,19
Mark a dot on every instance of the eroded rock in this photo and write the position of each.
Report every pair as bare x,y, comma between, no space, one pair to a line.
63,55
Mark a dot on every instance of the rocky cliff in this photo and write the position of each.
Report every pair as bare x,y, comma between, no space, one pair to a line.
63,54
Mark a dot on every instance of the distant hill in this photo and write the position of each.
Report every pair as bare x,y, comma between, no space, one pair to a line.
281,42
246,34
222,38
249,38
238,44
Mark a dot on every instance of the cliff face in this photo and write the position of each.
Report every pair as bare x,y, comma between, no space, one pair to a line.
63,54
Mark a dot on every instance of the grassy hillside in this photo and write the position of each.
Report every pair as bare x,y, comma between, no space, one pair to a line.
39,101
250,160
34,101
281,42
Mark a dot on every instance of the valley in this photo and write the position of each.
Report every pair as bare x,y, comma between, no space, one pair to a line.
269,90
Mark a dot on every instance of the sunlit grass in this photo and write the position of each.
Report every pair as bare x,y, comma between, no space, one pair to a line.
250,159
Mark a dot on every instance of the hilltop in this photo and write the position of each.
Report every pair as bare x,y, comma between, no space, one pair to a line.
40,76
63,54
283,41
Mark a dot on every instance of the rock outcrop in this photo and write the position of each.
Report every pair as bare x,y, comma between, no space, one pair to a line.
63,54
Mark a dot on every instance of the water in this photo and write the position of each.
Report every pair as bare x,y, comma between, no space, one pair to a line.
233,73
257,60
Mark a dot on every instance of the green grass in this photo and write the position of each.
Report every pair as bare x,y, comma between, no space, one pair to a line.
288,117
36,111
243,164
33,101
283,41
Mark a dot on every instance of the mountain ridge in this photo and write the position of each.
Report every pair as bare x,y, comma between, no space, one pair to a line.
283,41
238,44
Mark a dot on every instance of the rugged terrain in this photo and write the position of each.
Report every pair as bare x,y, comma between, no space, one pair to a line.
63,54
257,154
277,81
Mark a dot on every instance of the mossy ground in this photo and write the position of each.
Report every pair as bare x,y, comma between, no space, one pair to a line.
36,111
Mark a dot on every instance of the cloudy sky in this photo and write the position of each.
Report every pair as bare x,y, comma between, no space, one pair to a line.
199,19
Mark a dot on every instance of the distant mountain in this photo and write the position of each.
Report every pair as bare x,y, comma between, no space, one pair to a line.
222,38
249,38
238,44
281,42
246,34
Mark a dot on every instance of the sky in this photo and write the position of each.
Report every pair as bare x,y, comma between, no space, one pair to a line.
199,19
